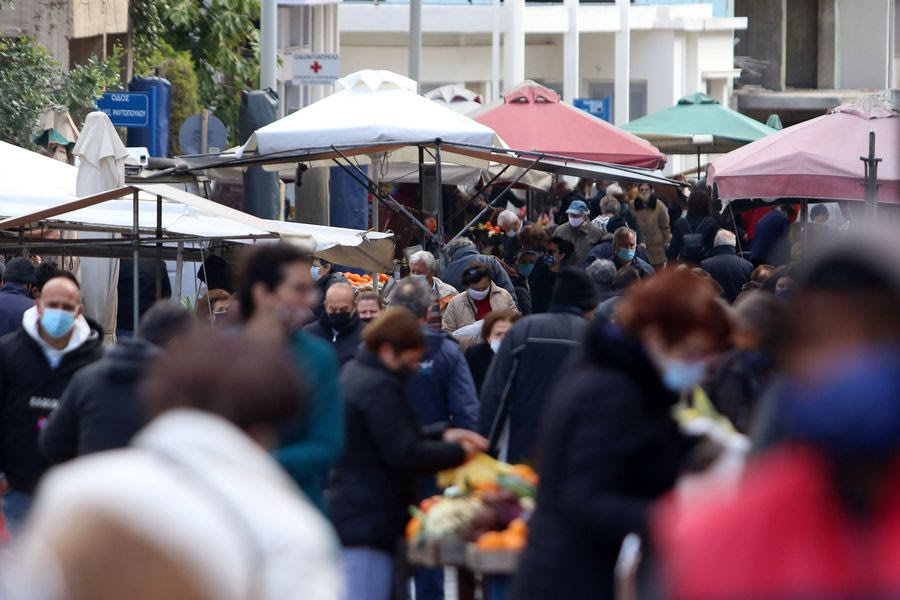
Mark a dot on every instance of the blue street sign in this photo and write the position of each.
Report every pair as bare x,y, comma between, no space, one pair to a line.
599,107
126,109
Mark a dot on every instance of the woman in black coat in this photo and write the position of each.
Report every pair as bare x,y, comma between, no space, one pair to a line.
698,221
480,356
610,447
385,451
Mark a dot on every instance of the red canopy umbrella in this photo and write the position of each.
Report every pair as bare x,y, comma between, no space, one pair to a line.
531,117
819,158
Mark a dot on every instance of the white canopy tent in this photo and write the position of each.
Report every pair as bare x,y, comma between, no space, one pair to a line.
39,190
371,110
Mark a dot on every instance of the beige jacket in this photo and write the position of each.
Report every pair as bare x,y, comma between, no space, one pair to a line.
461,310
654,224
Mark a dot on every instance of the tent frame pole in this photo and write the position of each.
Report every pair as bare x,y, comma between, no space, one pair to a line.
871,179
489,206
439,190
158,246
136,245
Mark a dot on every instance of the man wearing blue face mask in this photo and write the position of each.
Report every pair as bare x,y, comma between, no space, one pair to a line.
625,252
36,364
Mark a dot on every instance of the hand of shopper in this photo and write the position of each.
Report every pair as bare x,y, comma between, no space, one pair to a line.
471,442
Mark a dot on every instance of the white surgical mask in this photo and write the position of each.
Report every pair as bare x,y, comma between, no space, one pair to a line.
495,345
479,294
314,271
576,221
682,375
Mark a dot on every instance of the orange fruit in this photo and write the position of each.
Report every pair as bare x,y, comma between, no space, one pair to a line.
412,528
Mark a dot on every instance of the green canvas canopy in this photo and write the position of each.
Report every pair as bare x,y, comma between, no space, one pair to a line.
686,127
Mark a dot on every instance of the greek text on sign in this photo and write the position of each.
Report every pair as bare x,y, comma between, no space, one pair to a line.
126,109
316,68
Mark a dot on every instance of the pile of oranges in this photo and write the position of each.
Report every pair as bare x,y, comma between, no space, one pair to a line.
512,538
357,280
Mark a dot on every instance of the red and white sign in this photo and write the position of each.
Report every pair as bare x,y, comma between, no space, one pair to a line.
316,68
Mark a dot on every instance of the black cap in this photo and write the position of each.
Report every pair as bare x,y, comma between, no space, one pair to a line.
575,288
19,270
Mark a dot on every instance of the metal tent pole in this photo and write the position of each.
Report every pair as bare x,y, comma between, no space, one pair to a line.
871,179
136,244
442,260
158,246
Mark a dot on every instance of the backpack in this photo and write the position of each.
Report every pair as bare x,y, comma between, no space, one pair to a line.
692,245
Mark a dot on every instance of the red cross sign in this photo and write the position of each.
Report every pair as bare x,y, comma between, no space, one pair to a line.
315,67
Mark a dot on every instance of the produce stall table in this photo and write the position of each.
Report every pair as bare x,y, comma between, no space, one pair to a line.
491,570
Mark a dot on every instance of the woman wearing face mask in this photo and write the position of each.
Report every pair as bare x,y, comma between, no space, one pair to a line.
610,445
481,297
374,482
494,329
323,274
653,219
524,263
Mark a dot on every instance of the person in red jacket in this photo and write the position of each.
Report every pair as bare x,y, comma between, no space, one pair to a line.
817,514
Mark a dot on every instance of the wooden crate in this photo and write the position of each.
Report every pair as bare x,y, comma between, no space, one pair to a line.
492,562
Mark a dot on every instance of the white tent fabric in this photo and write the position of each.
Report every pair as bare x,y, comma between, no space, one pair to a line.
33,183
456,98
372,107
102,156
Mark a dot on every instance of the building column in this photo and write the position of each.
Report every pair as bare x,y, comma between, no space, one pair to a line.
623,65
570,53
514,44
692,78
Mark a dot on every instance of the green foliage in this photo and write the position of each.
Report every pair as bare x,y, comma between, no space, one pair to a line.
31,81
179,69
221,37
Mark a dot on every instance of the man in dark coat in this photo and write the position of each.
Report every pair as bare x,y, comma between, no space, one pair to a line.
101,409
528,365
15,296
37,362
462,252
724,265
339,324
770,242
147,272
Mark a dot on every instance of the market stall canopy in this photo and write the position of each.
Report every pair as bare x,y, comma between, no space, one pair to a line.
39,189
819,158
374,112
456,98
371,251
531,117
676,130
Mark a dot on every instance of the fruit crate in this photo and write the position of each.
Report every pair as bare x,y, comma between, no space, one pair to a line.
423,553
452,552
492,562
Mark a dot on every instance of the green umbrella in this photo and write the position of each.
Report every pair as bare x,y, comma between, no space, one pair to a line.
698,123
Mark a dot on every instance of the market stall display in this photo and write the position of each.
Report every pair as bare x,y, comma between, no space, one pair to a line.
479,525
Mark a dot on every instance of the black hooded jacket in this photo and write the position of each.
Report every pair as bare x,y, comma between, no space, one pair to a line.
345,340
100,409
374,481
609,448
30,389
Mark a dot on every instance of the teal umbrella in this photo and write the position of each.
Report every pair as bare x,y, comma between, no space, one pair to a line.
698,123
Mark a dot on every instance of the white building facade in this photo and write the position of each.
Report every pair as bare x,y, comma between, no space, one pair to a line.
674,50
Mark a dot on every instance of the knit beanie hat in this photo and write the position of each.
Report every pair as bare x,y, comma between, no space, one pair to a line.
575,288
19,270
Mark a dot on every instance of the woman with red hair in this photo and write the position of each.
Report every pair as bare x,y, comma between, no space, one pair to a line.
610,446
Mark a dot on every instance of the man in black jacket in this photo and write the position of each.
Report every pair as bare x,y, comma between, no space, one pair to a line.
36,364
724,265
15,295
339,324
528,363
100,409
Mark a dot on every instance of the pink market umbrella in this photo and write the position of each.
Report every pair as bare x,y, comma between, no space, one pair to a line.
531,117
819,158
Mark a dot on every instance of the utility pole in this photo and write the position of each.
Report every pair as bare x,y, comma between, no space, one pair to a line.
268,44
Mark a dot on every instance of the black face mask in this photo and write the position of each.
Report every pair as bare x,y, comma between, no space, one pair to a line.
339,320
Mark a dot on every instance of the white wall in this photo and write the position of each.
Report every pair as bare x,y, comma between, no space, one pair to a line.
863,42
